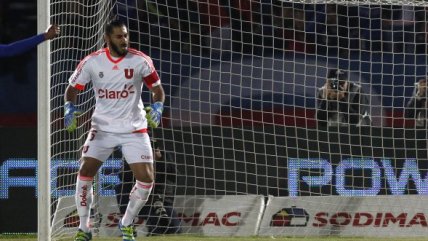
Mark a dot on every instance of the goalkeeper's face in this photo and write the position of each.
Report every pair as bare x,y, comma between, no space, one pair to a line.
118,41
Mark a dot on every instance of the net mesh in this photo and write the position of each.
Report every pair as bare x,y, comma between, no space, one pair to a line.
245,84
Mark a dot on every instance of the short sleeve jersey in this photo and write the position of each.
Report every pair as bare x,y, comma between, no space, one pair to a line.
117,85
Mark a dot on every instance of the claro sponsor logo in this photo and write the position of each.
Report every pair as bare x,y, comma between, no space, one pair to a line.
116,94
290,217
364,219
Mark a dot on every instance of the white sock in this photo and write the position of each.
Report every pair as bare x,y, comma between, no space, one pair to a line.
83,198
137,198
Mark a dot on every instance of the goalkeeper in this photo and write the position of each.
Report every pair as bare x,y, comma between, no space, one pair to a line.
158,213
342,102
117,73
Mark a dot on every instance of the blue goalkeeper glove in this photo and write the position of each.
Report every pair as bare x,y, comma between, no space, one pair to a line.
70,116
154,114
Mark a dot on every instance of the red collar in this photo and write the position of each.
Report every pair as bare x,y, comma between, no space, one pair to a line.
110,57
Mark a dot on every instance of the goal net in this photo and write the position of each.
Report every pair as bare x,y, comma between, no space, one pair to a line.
281,117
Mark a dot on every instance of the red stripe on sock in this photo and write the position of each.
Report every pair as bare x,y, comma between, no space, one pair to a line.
82,178
144,185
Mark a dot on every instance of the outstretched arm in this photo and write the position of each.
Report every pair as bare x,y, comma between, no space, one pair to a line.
21,46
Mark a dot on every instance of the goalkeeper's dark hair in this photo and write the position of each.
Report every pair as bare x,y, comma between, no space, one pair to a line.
114,23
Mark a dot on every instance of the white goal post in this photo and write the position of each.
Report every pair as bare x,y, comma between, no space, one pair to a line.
246,125
43,130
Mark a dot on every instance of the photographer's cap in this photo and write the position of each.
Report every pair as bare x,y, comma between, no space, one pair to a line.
337,74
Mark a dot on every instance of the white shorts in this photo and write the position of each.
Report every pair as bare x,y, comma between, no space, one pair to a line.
136,147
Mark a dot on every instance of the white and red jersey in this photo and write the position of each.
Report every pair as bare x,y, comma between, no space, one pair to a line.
117,85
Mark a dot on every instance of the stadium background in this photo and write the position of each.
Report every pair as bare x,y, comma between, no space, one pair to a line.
392,75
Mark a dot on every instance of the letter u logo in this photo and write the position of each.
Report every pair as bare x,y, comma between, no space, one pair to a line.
129,73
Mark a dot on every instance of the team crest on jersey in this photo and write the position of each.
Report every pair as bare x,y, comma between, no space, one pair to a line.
101,74
129,73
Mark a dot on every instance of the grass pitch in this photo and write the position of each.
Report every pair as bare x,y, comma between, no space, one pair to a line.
203,238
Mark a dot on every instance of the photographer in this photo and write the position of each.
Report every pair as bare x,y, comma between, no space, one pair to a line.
158,213
417,105
342,102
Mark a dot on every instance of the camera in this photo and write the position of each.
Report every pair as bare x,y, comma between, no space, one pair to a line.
337,78
336,84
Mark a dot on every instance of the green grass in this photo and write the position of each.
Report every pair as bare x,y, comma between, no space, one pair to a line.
202,238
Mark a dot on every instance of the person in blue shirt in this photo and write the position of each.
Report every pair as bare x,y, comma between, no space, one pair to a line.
21,46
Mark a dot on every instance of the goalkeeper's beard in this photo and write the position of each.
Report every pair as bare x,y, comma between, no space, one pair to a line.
118,50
